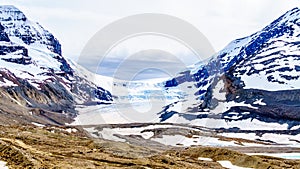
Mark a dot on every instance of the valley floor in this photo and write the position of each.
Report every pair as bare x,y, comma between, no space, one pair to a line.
65,147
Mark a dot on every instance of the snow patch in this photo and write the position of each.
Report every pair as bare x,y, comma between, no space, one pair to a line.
37,124
204,159
3,165
294,156
259,102
229,165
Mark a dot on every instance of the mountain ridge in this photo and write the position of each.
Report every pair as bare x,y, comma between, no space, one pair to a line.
242,69
35,78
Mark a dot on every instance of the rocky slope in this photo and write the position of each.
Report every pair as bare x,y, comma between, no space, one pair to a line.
256,77
57,147
37,83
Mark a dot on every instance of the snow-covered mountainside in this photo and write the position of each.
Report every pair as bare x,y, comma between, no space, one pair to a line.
36,80
256,77
248,94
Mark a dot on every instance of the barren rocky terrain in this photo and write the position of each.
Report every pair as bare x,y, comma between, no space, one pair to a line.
60,147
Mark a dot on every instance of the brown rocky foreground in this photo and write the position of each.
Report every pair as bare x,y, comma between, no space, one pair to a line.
55,147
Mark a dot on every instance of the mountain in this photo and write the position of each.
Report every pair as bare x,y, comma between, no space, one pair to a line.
253,80
246,95
250,87
256,77
245,98
37,83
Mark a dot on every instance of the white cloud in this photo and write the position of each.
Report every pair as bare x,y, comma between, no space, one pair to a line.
221,21
74,22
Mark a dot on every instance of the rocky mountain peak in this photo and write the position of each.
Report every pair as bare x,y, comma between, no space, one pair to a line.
11,13
35,77
258,74
16,25
291,16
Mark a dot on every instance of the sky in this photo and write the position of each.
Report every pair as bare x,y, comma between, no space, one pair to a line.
75,22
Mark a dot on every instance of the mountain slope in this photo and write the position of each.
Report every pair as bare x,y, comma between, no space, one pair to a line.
253,77
35,79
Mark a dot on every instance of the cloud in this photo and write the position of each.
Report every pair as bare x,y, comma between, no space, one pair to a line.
221,21
145,62
74,22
